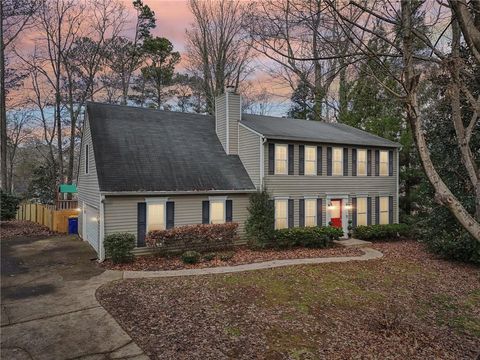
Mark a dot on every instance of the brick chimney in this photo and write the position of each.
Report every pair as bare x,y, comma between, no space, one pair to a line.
228,113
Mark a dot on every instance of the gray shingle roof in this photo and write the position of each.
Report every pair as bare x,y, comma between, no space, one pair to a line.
150,150
314,131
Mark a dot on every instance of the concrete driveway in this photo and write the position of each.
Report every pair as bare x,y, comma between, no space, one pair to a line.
49,309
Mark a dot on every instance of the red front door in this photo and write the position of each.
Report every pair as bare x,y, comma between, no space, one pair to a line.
336,213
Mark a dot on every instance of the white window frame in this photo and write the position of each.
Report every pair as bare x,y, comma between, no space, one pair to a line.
314,161
334,161
277,172
364,151
87,159
380,162
314,200
383,211
218,200
286,212
157,201
363,213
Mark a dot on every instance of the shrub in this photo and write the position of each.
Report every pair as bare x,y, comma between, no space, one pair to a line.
381,232
260,223
9,205
313,237
191,257
206,237
227,255
458,246
119,247
209,256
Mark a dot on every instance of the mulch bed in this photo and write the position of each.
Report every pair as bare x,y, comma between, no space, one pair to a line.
407,305
238,257
9,229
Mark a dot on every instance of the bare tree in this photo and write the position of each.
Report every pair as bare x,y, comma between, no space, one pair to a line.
217,50
15,16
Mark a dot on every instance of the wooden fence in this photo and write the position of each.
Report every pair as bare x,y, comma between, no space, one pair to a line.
55,220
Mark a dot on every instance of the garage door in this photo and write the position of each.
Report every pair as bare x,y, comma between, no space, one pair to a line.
91,226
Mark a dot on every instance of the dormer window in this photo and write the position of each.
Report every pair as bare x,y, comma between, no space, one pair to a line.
281,159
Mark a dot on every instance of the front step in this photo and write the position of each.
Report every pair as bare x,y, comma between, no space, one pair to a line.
352,243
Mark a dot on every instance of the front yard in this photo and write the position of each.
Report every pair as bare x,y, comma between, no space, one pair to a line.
406,305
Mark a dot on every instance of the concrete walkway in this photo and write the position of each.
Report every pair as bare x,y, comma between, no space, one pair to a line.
49,310
369,254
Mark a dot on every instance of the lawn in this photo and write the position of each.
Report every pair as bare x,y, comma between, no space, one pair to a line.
408,305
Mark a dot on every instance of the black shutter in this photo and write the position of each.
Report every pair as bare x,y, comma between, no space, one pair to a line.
301,212
170,214
301,160
377,162
228,210
290,159
319,161
354,162
290,213
271,159
205,212
390,209
369,211
390,163
319,212
329,161
345,161
354,212
369,162
377,210
141,223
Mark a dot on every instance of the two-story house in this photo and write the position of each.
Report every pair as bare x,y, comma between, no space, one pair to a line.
143,169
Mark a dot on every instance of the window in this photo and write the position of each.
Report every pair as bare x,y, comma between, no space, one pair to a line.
310,212
281,159
155,216
310,160
361,211
217,211
281,214
87,155
337,161
362,162
383,163
383,210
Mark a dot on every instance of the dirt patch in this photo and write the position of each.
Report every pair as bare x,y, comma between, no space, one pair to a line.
407,305
237,257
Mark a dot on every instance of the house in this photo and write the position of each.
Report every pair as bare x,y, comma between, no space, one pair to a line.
143,169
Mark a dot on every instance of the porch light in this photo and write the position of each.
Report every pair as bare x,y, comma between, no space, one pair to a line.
348,206
330,205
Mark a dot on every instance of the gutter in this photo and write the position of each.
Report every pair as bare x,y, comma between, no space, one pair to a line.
202,192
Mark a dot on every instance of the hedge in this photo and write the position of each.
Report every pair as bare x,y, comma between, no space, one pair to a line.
202,238
119,246
9,205
313,237
381,232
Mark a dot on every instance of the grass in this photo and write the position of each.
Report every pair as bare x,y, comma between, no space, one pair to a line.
407,305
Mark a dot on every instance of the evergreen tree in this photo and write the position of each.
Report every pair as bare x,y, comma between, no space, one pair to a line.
302,102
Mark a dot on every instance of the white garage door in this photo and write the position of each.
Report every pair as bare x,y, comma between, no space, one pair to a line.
91,226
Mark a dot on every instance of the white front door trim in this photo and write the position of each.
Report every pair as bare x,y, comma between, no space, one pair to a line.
345,212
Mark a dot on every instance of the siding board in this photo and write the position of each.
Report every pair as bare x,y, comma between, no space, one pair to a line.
249,153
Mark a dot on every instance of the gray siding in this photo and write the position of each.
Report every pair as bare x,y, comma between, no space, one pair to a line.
231,103
121,211
87,185
296,186
220,120
234,108
249,151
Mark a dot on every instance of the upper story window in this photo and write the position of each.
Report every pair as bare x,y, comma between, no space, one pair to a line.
362,162
362,211
87,156
281,159
337,161
217,211
383,163
281,213
155,215
310,160
383,210
310,212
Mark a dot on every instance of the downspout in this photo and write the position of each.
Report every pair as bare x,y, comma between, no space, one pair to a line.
101,250
263,141
397,217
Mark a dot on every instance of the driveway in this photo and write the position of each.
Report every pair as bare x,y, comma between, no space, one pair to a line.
49,309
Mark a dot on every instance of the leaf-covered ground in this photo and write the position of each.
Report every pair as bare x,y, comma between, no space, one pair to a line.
9,229
407,305
237,257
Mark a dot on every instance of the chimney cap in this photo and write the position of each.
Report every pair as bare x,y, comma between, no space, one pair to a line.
230,89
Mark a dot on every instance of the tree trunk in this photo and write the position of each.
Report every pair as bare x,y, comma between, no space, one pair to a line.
443,195
3,110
